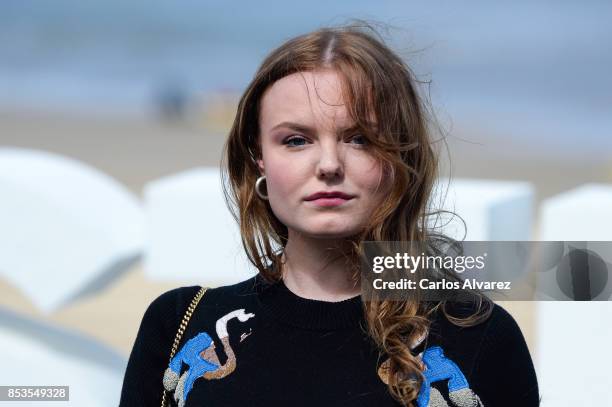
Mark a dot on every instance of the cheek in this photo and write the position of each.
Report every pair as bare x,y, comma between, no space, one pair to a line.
370,177
284,179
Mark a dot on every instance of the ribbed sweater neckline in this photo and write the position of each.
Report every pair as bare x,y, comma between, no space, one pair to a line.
287,307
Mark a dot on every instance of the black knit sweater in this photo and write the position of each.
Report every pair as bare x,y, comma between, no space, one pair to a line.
259,344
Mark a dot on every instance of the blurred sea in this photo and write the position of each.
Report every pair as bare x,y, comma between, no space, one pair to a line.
523,67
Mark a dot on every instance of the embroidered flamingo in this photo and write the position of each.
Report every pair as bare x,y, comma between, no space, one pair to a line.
199,354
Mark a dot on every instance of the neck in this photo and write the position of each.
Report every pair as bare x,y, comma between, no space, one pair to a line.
318,268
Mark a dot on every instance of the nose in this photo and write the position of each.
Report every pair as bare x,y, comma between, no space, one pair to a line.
330,163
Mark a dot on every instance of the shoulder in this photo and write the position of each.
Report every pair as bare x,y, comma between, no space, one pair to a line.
164,314
473,331
233,294
502,325
500,367
493,323
173,303
491,352
488,317
504,372
164,311
502,335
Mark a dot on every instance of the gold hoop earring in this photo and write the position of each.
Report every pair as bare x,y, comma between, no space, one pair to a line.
258,183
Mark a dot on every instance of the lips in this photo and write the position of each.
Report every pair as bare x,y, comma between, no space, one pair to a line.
330,194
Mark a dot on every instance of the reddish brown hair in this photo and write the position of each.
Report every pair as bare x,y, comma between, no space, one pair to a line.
378,84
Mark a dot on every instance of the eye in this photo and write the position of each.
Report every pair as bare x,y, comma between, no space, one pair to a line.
295,141
358,139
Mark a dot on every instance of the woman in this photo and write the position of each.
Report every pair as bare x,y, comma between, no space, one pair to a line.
329,148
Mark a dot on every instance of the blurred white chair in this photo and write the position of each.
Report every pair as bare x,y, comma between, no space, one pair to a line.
573,338
492,210
66,229
192,236
584,213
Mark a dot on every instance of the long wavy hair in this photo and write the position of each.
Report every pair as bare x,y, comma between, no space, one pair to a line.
376,83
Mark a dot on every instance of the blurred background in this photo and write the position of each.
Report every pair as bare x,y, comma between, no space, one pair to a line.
112,120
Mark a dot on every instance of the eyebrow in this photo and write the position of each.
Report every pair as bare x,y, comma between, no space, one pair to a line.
307,129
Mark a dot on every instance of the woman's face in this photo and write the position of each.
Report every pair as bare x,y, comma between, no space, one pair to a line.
308,147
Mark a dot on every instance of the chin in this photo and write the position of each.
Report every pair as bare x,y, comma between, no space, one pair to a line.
331,236
326,227
330,232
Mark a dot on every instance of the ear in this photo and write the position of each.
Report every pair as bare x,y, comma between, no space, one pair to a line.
260,164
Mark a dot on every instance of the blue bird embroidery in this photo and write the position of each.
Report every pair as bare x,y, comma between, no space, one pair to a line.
440,368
